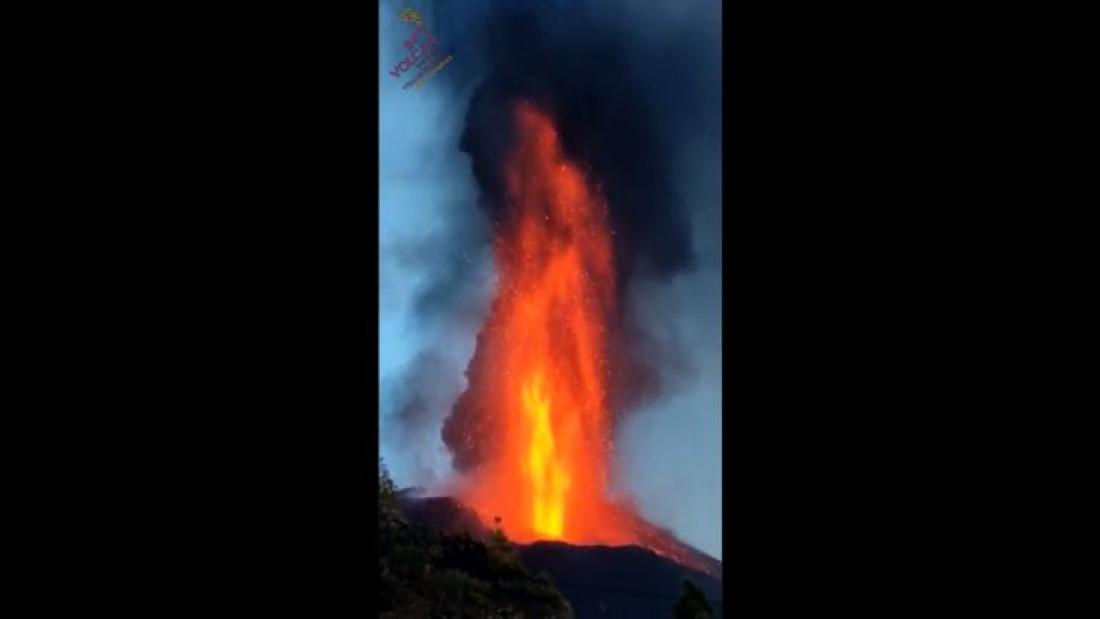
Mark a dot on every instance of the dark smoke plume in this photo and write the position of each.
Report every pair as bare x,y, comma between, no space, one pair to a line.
586,84
612,93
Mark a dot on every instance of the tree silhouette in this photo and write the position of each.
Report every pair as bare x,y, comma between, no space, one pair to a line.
428,573
692,604
387,493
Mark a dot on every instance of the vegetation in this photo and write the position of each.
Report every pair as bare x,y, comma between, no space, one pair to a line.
692,604
429,574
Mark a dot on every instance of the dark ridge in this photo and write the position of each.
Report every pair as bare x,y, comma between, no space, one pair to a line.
442,514
625,581
598,581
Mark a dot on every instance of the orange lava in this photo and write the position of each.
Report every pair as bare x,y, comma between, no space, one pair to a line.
545,340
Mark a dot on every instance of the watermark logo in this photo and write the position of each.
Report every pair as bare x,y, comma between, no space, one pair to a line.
423,52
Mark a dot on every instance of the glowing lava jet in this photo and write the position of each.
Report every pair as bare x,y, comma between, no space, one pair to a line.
539,377
532,432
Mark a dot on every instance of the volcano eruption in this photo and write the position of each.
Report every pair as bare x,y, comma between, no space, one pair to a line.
534,428
582,133
536,410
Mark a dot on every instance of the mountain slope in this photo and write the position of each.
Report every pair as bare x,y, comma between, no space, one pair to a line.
427,572
625,581
598,581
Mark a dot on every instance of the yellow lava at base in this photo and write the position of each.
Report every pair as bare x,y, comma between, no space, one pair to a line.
549,480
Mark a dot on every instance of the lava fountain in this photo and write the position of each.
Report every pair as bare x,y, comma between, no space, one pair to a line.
539,377
532,432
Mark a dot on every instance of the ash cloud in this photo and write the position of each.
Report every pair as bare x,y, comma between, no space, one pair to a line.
584,69
421,397
448,256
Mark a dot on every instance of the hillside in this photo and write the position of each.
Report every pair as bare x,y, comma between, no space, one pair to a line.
626,581
429,572
597,581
